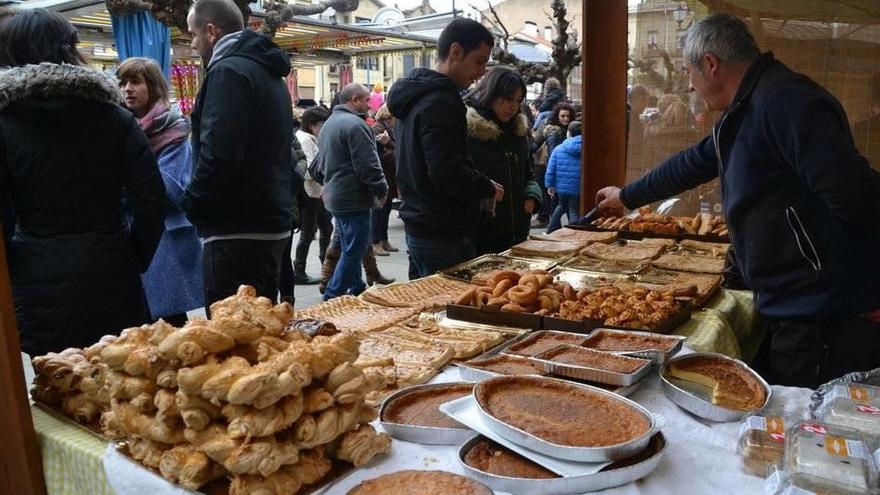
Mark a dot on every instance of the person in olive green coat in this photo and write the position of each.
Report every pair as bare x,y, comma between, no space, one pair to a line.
499,145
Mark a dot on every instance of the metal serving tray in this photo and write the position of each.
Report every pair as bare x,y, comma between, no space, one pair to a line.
697,399
579,454
427,435
472,374
534,336
580,279
595,265
589,373
533,264
608,477
658,356
553,261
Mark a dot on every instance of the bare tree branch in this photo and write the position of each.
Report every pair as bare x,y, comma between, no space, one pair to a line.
279,12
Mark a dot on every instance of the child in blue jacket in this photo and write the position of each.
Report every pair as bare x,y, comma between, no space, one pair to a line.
563,177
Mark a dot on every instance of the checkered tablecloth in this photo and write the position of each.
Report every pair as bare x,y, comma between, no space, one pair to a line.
71,457
727,325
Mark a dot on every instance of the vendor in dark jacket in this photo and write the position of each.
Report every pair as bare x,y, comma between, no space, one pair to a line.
70,157
241,197
801,203
436,179
498,132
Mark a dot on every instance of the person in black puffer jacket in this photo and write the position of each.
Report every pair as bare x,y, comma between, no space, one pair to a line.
552,96
498,132
70,157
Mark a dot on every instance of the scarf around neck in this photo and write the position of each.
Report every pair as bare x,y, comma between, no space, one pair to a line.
164,126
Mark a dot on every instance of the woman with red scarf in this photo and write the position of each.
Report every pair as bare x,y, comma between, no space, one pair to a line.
173,283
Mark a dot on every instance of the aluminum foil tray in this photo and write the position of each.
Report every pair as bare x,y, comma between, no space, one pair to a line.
427,435
697,399
588,373
659,356
532,264
579,454
609,477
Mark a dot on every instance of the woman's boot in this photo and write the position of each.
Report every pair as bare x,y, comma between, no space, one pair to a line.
331,257
371,268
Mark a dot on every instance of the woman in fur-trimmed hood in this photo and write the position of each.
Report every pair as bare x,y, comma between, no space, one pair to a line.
499,145
70,156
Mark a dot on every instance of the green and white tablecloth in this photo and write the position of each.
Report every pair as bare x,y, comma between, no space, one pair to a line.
727,325
71,457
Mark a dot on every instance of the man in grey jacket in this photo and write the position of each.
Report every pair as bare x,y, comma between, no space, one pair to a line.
353,185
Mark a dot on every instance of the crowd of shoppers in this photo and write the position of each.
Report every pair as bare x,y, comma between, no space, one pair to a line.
119,210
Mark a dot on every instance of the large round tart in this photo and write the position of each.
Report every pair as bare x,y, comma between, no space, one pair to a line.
561,413
420,407
412,482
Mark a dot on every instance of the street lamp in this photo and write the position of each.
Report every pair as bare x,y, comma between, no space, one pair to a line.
680,13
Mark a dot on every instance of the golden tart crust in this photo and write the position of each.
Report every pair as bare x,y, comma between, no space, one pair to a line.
560,413
733,386
489,457
411,482
421,407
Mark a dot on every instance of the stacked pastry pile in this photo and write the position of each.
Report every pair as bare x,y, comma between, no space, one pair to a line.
656,223
533,292
412,353
630,307
72,382
238,396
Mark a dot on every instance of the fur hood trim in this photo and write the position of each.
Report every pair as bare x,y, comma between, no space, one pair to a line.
484,129
53,80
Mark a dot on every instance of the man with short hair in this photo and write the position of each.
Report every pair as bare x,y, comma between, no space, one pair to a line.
437,182
801,203
241,196
353,184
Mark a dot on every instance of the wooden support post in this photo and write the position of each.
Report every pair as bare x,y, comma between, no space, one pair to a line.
21,469
603,161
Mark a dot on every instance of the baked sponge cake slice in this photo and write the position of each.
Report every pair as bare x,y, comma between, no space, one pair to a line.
733,386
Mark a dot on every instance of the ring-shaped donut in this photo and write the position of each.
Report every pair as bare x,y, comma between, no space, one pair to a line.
523,294
530,279
502,287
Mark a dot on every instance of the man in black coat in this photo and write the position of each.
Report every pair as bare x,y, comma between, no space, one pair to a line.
801,203
241,196
436,179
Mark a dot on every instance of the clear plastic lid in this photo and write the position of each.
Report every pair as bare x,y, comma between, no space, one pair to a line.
781,482
826,455
854,406
762,442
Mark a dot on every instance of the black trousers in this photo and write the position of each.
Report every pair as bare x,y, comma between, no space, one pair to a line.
809,353
228,264
547,205
314,218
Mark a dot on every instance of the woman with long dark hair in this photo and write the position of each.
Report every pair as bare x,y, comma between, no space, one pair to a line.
70,157
173,283
498,132
315,218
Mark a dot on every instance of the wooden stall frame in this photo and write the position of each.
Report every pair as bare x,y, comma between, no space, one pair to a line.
603,160
21,468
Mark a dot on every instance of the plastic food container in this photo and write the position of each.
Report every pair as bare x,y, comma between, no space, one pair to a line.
854,405
762,442
827,456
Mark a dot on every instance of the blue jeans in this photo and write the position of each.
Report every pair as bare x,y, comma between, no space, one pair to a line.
354,241
429,256
569,204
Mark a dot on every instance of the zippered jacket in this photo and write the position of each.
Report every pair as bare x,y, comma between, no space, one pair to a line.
501,152
801,203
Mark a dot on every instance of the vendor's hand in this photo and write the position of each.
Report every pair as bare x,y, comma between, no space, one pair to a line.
551,191
499,192
530,205
608,201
